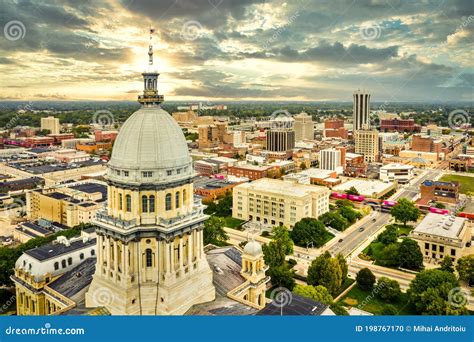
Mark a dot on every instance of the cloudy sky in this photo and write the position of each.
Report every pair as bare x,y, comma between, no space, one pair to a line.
238,49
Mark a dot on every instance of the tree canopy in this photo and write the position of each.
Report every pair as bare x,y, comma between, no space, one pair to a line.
405,211
318,293
365,279
310,231
465,268
328,272
409,255
214,232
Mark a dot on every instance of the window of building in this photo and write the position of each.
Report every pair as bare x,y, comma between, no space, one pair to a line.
92,252
63,263
178,171
169,172
453,252
81,256
147,174
441,249
56,266
144,204
168,202
184,197
125,173
120,202
152,204
69,261
149,257
177,199
128,204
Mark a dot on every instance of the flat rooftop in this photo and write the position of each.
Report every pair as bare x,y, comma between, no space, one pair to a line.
54,249
445,226
364,187
298,306
281,187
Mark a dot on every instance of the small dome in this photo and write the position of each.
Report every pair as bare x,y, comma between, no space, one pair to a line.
253,248
150,148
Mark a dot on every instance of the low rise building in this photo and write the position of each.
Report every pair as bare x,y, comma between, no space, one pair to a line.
442,235
438,191
400,173
249,171
276,202
367,188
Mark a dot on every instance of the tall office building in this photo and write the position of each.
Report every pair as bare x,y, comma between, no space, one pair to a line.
361,110
304,127
51,124
330,159
367,143
280,139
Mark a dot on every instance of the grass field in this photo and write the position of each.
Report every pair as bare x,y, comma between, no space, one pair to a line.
466,182
231,222
371,303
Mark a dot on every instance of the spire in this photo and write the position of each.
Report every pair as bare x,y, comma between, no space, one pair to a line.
150,95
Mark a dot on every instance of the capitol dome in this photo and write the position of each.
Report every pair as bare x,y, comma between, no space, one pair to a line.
253,248
150,148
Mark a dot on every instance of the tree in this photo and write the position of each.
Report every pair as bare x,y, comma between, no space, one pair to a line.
447,264
214,232
309,231
349,214
273,254
432,293
326,271
465,268
303,166
344,203
389,256
318,293
389,235
365,279
388,289
352,191
405,211
409,255
389,310
335,220
343,264
282,276
282,236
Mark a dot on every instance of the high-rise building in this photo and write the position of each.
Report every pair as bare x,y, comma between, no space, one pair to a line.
212,135
280,139
150,255
304,127
361,110
367,143
51,124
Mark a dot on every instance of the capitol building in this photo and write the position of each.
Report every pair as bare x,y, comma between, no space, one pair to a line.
146,255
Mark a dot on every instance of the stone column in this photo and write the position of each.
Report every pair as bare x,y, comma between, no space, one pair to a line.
115,257
190,250
107,255
181,254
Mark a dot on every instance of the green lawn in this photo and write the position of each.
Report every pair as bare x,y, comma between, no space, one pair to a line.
371,303
466,182
232,222
403,230
376,249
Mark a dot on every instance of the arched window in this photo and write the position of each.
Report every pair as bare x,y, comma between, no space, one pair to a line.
56,266
81,256
69,261
168,202
177,200
144,204
128,204
152,204
63,263
184,197
92,252
149,258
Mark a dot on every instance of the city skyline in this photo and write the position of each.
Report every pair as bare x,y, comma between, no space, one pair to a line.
210,50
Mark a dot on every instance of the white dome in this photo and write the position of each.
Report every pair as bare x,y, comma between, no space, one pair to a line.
150,148
253,248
